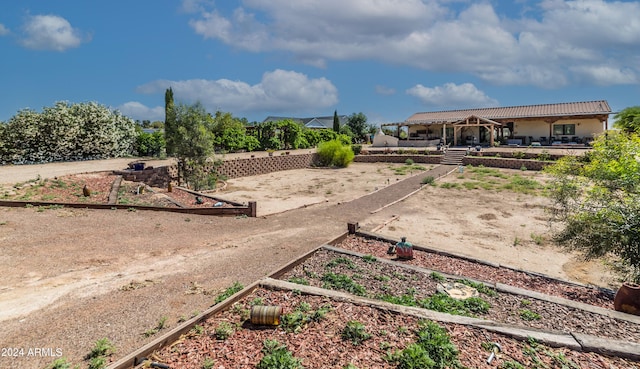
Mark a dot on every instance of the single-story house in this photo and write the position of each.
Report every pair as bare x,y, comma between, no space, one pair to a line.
313,122
547,124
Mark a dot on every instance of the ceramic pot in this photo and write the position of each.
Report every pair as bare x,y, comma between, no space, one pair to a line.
627,299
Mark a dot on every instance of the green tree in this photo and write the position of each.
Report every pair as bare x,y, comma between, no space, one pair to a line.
597,198
291,136
628,119
194,147
267,135
149,144
336,122
170,133
358,125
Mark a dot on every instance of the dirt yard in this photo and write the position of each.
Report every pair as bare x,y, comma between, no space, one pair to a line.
71,277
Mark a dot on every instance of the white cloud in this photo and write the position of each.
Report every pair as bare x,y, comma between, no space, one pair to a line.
451,96
139,111
278,91
603,75
3,30
50,32
548,47
382,90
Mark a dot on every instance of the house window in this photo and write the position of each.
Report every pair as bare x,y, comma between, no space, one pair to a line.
564,129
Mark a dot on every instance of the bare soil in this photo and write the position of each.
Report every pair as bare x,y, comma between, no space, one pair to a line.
73,276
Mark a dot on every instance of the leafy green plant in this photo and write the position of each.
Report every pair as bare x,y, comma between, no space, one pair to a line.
537,239
437,277
428,180
97,362
102,347
342,282
369,258
223,331
162,323
382,278
355,332
409,162
441,302
414,356
235,288
60,363
544,156
277,356
435,340
525,302
296,320
299,280
402,170
450,185
197,329
511,365
208,363
519,155
341,261
529,315
480,287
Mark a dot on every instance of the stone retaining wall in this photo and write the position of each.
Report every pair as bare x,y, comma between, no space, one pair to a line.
395,158
236,168
505,163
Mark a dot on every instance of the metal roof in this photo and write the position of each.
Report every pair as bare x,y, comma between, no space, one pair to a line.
598,107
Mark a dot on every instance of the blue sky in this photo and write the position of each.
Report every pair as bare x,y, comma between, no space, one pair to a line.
254,58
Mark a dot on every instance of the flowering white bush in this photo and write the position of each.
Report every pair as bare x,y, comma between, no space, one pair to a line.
66,132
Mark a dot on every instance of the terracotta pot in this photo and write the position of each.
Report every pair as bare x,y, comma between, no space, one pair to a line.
627,299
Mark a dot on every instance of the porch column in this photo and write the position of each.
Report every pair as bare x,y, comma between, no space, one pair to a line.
491,134
444,133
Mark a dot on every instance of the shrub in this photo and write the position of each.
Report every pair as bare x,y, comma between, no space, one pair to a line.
356,149
66,132
428,180
335,153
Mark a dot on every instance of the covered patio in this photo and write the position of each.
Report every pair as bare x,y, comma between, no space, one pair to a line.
472,130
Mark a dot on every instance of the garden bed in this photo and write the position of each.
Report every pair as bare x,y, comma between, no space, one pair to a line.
321,332
485,272
69,189
392,282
